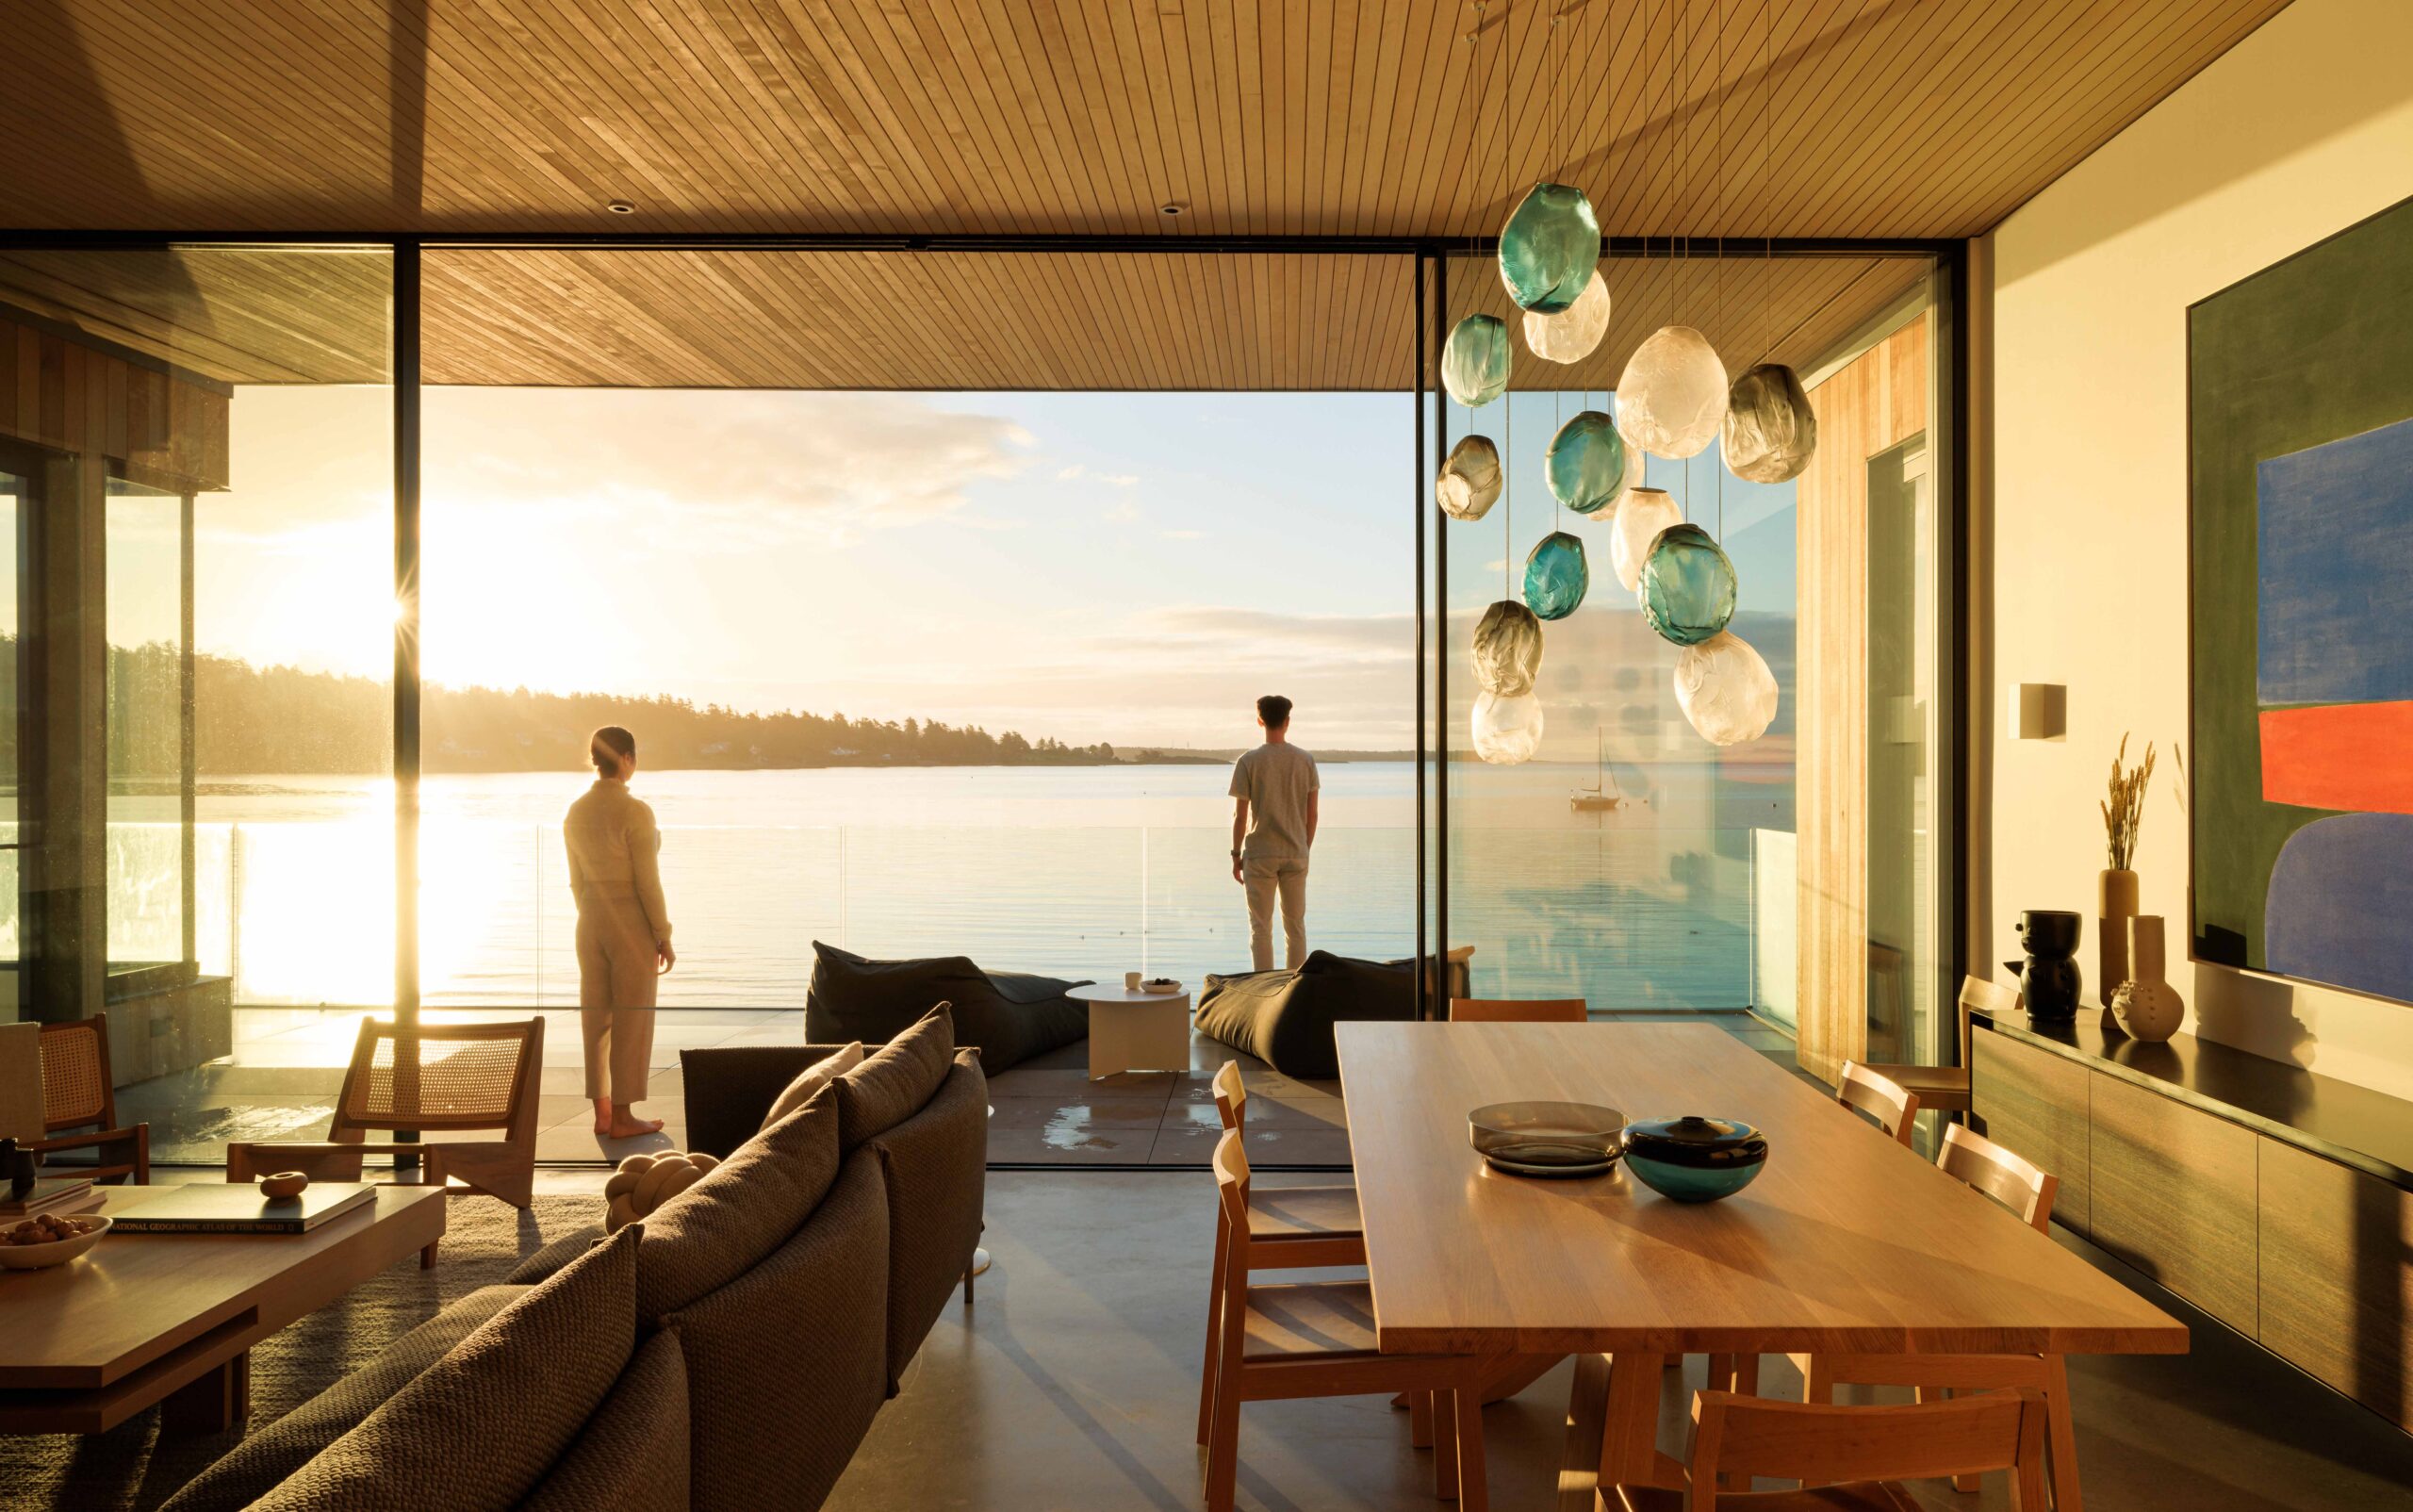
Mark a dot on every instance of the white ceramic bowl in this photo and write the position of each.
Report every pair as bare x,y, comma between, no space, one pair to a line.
59,1252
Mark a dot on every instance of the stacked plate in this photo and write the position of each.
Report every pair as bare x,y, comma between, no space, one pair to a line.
1560,1140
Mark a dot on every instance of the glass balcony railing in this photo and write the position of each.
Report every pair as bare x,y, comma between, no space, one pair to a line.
299,913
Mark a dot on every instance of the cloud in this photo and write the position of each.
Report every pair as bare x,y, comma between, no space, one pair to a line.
1121,514
1119,480
1068,474
745,466
1185,536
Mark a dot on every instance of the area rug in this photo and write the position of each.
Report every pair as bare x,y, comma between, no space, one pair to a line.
135,1467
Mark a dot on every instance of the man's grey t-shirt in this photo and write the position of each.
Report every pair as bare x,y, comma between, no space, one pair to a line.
1277,781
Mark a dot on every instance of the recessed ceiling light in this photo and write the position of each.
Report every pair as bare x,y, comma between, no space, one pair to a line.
621,207
1171,207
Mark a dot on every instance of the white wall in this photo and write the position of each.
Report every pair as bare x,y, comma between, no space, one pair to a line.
2301,130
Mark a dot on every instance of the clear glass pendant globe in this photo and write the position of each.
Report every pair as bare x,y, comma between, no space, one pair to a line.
1725,689
1507,650
1571,334
1770,432
1673,395
1474,361
1641,517
1507,729
1470,481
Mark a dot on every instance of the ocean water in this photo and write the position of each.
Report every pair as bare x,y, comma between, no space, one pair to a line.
1076,871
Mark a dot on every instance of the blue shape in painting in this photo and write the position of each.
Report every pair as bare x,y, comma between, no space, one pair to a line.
2334,540
2339,896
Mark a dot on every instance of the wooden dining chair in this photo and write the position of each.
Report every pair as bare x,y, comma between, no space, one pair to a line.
444,1079
79,1095
1516,1010
1894,1107
2027,1190
1316,1339
1290,1228
1946,1089
1849,1459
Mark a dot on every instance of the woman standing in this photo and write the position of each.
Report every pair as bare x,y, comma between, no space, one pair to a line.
623,932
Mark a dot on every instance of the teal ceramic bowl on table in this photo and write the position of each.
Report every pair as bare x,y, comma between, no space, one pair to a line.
1695,1159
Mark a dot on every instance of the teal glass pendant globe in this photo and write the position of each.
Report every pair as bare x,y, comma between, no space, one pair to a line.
1548,248
1687,587
1586,463
1556,576
1474,361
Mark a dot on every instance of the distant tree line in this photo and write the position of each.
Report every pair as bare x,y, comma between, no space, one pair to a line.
259,720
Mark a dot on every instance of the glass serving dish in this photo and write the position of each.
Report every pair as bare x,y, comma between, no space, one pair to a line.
1561,1139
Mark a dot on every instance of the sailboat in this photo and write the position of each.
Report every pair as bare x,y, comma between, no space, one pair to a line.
1603,796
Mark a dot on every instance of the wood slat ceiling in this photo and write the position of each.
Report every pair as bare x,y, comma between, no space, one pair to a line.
1802,118
760,318
1862,119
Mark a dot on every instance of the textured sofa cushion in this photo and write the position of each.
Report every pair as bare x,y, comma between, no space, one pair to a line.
1007,1017
631,1457
482,1426
935,1167
264,1459
896,1080
1285,1018
717,1229
787,1364
811,1079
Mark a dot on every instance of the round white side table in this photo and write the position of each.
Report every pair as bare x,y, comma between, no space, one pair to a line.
1135,1031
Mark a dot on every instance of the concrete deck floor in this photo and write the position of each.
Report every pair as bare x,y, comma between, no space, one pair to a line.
282,1082
1073,1382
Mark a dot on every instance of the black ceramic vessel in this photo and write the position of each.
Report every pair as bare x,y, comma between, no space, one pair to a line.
1695,1159
2048,978
20,1168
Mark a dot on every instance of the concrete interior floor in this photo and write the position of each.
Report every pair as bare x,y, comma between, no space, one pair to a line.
1072,1383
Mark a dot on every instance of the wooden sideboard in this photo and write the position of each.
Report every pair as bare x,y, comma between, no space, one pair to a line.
2278,1201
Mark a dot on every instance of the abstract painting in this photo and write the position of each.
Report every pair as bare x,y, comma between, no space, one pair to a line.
2300,384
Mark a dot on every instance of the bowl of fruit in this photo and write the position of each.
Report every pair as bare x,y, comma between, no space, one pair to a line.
1161,986
51,1239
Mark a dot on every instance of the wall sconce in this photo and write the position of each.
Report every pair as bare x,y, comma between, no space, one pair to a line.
2038,710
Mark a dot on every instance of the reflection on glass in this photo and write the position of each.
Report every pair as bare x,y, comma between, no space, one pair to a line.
12,511
145,730
1900,813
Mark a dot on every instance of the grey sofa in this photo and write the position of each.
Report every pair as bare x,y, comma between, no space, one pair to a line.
791,1286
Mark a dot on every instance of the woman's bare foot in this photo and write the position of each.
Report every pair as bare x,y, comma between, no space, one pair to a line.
627,1126
602,1115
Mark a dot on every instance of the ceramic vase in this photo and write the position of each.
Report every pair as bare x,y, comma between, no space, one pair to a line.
2116,904
2147,1007
2049,980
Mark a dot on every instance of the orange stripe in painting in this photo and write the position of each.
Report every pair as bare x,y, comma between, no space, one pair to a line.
2351,757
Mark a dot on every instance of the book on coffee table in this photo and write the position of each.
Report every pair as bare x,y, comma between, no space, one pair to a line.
237,1207
70,1194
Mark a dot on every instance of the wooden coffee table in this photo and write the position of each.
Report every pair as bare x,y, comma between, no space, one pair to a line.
145,1318
1135,1031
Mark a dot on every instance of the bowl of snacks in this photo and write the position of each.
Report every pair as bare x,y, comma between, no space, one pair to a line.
51,1239
1161,986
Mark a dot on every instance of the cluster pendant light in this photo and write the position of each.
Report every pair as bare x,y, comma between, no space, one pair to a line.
1675,398
1586,463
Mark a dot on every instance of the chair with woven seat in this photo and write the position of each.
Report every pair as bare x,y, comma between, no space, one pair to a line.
1317,1339
448,1079
1945,1088
78,1094
1849,1459
1894,1107
1517,1010
2028,1190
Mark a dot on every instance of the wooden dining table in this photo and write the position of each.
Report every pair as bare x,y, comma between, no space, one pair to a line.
1847,1243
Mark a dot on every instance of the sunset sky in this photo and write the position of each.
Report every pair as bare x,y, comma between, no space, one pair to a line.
1128,567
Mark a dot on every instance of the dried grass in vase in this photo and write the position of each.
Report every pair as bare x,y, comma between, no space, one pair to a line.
2124,812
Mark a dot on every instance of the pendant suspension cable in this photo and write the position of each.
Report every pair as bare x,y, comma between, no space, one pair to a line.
1768,226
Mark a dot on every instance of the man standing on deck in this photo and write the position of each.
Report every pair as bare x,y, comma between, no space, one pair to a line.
1274,825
